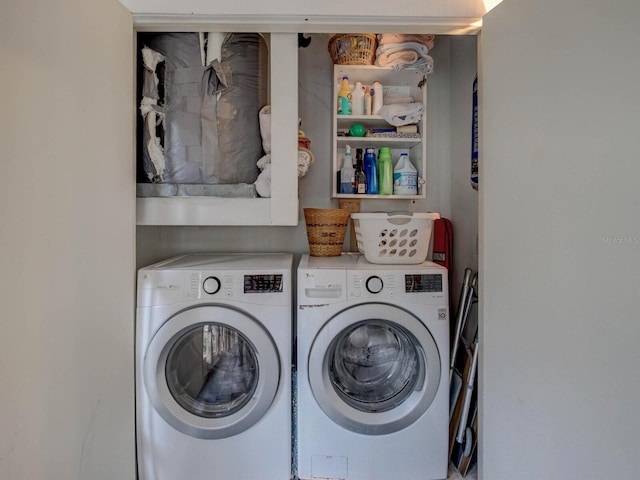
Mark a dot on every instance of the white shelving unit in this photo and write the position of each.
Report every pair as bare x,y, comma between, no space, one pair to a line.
407,82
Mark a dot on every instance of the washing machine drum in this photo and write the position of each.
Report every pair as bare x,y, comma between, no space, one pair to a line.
211,372
374,369
374,365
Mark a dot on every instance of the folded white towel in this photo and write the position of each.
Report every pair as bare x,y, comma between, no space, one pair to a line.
425,39
387,48
402,113
404,55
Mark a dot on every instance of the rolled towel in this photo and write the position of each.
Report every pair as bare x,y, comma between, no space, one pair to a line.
403,55
425,39
263,182
402,113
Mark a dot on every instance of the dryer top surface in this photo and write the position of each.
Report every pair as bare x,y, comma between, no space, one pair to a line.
357,261
249,262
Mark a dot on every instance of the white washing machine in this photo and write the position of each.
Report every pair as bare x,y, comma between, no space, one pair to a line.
373,349
213,367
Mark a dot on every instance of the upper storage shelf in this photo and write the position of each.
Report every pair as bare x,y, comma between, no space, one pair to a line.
403,84
282,207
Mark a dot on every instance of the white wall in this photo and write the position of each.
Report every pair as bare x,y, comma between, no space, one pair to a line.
464,199
560,240
66,241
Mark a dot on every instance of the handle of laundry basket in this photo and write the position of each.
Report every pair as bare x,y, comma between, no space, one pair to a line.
399,212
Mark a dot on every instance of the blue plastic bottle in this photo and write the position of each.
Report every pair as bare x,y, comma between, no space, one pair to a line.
371,171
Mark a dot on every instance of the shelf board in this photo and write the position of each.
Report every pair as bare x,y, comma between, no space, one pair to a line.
348,118
391,141
386,197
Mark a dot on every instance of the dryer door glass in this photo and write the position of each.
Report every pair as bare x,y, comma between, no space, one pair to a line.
212,370
374,365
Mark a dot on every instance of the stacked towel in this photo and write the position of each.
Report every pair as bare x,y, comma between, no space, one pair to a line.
404,51
402,113
426,40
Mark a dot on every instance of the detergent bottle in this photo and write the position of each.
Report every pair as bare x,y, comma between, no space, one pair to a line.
371,171
385,172
344,97
361,178
347,173
367,100
376,92
405,176
357,100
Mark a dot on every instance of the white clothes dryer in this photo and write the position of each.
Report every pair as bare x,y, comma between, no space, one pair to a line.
213,367
372,379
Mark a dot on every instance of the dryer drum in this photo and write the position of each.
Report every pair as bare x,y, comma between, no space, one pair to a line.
374,365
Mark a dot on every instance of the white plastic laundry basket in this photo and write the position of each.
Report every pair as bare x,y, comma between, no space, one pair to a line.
394,238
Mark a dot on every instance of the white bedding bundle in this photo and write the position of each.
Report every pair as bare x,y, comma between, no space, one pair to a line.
405,51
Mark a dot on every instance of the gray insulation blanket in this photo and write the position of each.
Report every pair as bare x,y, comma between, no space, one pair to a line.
212,131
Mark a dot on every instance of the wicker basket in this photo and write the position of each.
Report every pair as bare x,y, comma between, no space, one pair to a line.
353,49
326,229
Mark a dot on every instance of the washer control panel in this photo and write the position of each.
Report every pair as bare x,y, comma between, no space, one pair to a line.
386,285
263,283
374,284
420,282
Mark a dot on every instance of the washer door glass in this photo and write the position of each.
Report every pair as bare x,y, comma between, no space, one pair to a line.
374,365
375,368
212,370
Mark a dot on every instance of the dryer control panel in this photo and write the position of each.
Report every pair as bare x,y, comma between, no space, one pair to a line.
386,285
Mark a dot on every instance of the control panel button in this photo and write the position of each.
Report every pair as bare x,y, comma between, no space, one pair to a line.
211,285
374,284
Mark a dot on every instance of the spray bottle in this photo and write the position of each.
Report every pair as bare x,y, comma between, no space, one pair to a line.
347,173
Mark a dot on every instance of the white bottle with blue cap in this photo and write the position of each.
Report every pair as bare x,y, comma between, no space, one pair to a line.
405,176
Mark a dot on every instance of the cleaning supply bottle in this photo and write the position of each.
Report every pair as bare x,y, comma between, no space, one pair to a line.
376,90
367,100
344,97
371,171
347,174
361,178
357,100
385,172
405,176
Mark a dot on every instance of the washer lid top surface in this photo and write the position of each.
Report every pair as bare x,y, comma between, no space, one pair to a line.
211,371
226,261
374,368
